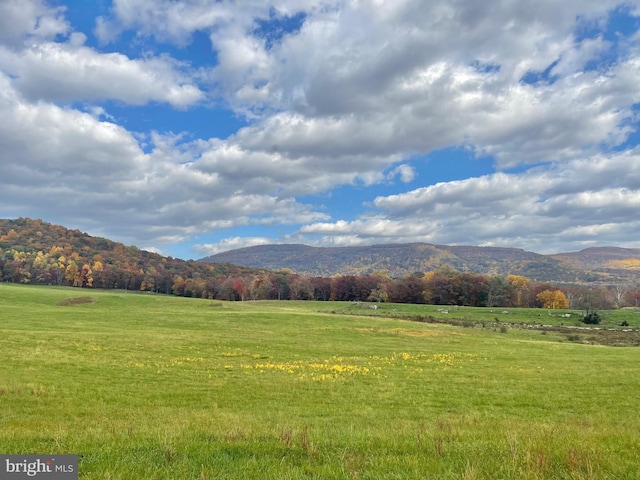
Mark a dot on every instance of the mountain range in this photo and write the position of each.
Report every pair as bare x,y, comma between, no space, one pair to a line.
33,250
592,265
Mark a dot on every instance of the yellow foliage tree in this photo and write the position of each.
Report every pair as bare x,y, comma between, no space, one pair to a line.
72,274
554,299
86,276
520,284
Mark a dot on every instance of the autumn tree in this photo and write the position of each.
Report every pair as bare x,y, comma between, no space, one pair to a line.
72,274
178,286
364,285
18,269
61,269
86,276
321,288
342,288
553,299
441,286
407,290
520,287
634,297
379,294
261,287
240,288
195,287
617,295
471,289
591,298
537,288
282,283
301,288
225,290
98,269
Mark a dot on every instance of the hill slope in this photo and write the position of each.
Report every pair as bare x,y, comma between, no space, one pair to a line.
599,265
33,251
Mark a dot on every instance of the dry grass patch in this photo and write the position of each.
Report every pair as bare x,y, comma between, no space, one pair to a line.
401,332
67,302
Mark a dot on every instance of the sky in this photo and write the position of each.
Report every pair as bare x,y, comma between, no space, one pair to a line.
194,127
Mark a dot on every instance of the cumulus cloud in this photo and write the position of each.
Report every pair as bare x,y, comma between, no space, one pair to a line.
346,55
348,93
233,243
94,173
539,209
48,61
64,72
411,77
405,172
30,20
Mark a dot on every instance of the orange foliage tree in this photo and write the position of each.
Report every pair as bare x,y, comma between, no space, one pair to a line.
554,299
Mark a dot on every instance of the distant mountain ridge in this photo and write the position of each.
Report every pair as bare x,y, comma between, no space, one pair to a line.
602,258
598,264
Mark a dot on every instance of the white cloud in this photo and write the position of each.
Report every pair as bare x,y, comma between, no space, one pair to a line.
30,20
58,72
412,77
406,173
48,61
539,209
349,97
153,250
72,166
391,80
230,244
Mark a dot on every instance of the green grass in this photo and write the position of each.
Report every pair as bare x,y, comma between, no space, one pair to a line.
153,387
533,316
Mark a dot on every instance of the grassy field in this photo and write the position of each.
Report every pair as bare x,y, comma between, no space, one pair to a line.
155,387
611,319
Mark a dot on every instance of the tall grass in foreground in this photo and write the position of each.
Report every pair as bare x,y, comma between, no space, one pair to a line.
152,387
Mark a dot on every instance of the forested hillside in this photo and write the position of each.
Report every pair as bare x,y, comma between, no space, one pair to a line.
613,261
33,251
399,260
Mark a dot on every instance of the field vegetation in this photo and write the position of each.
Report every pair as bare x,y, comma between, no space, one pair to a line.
147,386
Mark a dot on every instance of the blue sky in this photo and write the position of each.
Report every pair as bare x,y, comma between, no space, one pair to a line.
194,127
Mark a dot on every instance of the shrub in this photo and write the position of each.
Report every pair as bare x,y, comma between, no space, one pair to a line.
592,318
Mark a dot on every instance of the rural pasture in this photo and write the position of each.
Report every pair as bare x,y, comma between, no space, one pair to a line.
145,386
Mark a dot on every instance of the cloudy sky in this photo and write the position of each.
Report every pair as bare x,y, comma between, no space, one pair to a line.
192,127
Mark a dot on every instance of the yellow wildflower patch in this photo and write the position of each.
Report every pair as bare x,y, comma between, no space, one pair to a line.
334,368
405,332
326,370
337,368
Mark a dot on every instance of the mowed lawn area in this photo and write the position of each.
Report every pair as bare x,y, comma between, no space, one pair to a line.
145,386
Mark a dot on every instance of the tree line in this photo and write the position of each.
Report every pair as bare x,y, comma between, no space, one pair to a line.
441,287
